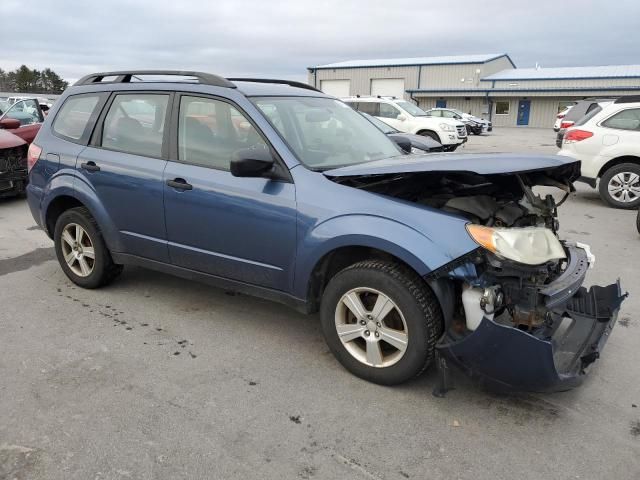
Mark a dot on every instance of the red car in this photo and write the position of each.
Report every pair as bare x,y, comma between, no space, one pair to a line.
13,164
23,118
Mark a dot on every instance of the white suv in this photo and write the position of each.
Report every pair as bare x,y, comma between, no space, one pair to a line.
408,118
607,142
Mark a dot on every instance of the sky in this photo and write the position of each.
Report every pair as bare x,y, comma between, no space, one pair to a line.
280,39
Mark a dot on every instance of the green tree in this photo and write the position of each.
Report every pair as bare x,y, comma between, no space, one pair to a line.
26,80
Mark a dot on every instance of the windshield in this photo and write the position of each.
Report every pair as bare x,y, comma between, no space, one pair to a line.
411,108
386,129
326,133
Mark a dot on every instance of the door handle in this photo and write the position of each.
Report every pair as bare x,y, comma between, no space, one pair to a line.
180,184
90,167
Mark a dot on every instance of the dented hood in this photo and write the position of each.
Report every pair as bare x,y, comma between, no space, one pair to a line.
558,167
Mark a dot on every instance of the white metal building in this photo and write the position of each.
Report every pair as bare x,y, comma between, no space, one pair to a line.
488,86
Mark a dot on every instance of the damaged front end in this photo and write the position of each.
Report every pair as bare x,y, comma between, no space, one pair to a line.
516,313
13,165
533,328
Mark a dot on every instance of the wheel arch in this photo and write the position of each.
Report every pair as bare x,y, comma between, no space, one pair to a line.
618,161
80,196
340,258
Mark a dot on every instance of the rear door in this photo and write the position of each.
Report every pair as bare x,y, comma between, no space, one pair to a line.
124,164
237,228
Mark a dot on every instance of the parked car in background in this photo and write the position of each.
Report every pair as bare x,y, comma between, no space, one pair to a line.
408,118
13,164
607,142
579,110
559,117
311,205
474,124
416,143
22,118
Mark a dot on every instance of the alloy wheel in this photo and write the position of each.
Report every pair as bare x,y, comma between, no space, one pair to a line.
371,327
624,187
78,250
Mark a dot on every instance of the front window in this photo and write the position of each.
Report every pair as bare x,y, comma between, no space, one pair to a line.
411,108
325,133
210,131
26,112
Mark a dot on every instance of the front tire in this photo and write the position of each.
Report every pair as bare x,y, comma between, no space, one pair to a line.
81,250
620,186
381,321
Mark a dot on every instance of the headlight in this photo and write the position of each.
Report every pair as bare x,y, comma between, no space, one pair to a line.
447,128
530,245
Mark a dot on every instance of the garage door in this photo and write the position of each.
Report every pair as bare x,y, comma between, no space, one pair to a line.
388,87
337,88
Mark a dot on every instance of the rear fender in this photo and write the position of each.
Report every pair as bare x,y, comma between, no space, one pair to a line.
65,184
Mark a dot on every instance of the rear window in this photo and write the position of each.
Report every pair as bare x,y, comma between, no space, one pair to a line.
73,118
592,113
372,108
624,120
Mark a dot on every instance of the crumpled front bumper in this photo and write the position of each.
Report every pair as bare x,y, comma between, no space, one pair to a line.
506,357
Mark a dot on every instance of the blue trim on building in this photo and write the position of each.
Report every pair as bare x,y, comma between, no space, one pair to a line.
488,78
525,90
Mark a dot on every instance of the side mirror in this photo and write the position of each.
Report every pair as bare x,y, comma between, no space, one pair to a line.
457,117
252,162
9,123
402,142
401,118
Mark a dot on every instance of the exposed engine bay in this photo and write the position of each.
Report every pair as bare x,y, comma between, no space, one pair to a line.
518,298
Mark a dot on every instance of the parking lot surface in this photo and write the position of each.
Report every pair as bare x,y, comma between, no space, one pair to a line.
159,377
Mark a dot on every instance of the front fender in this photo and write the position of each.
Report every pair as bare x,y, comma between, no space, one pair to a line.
420,252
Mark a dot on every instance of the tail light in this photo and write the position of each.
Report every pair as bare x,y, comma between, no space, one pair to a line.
578,135
566,124
33,155
560,115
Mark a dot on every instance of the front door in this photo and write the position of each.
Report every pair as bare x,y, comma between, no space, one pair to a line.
30,116
124,164
523,112
237,228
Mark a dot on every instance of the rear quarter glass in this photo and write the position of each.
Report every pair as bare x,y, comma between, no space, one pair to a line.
75,119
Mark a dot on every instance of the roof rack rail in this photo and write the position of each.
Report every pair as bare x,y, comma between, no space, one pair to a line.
291,83
127,75
628,99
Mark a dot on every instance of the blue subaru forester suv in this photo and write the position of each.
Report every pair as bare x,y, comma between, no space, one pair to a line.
272,188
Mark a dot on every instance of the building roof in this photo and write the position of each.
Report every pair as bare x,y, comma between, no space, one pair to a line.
400,62
567,73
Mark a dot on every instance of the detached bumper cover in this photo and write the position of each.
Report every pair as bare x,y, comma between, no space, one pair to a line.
507,357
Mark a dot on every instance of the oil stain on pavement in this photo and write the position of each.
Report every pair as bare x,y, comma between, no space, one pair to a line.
26,260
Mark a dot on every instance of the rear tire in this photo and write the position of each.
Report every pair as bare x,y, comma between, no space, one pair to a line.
392,339
620,186
81,250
